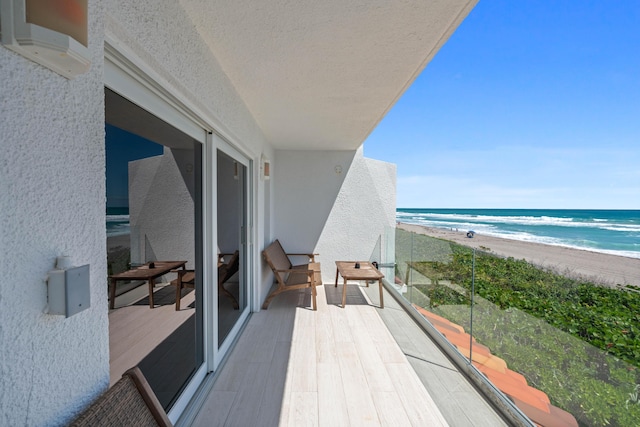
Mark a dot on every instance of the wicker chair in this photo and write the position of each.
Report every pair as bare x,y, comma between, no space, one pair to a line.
129,402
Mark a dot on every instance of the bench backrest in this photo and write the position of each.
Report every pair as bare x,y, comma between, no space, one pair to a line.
276,256
226,271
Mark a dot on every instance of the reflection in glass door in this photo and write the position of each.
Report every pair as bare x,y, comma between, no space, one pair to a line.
154,228
233,298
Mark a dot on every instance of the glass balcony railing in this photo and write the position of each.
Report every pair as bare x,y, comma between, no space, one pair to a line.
564,352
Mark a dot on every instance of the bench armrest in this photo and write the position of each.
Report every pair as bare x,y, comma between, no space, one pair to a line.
311,256
299,270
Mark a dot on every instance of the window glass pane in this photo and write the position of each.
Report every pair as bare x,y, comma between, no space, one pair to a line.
153,248
232,288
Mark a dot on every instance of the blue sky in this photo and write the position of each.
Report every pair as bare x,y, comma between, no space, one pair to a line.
123,147
530,104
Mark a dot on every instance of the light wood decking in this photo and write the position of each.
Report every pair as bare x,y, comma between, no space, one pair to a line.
294,367
460,403
135,330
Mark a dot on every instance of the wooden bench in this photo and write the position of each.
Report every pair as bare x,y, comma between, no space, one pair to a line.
289,276
129,402
187,278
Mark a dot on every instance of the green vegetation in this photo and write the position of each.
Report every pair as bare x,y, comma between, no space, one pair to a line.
605,317
576,341
595,387
443,295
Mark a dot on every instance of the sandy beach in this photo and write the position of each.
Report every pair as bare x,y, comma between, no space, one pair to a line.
597,267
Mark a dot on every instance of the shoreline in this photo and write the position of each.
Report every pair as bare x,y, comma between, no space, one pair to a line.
597,267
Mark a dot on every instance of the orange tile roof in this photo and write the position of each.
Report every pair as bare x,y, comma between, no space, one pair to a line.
534,403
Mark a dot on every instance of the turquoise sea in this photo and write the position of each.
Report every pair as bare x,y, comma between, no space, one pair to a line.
615,232
117,221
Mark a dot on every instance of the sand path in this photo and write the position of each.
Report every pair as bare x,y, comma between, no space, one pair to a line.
595,266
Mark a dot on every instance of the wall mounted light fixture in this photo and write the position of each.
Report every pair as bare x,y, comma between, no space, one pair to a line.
53,33
265,168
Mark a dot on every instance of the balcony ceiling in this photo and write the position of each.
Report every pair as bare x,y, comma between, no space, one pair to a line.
320,75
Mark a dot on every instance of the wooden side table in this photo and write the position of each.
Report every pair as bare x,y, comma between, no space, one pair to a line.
366,271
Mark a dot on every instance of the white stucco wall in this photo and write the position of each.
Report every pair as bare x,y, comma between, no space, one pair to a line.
362,215
161,207
52,202
338,215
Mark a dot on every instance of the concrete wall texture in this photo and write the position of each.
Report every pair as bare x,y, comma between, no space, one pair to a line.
161,208
344,203
163,36
52,200
361,216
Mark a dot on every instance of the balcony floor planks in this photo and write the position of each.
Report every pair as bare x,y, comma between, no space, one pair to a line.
334,366
459,402
136,330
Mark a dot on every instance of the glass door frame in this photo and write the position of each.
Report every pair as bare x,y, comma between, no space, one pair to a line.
214,144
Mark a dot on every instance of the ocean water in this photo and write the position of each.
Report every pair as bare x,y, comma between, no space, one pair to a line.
615,232
117,221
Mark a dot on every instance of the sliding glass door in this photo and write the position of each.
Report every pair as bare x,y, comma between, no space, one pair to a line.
154,242
233,227
179,204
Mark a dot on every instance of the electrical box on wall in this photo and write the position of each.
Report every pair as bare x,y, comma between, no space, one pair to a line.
69,289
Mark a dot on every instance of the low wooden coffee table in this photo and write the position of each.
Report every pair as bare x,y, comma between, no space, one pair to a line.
348,271
148,272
